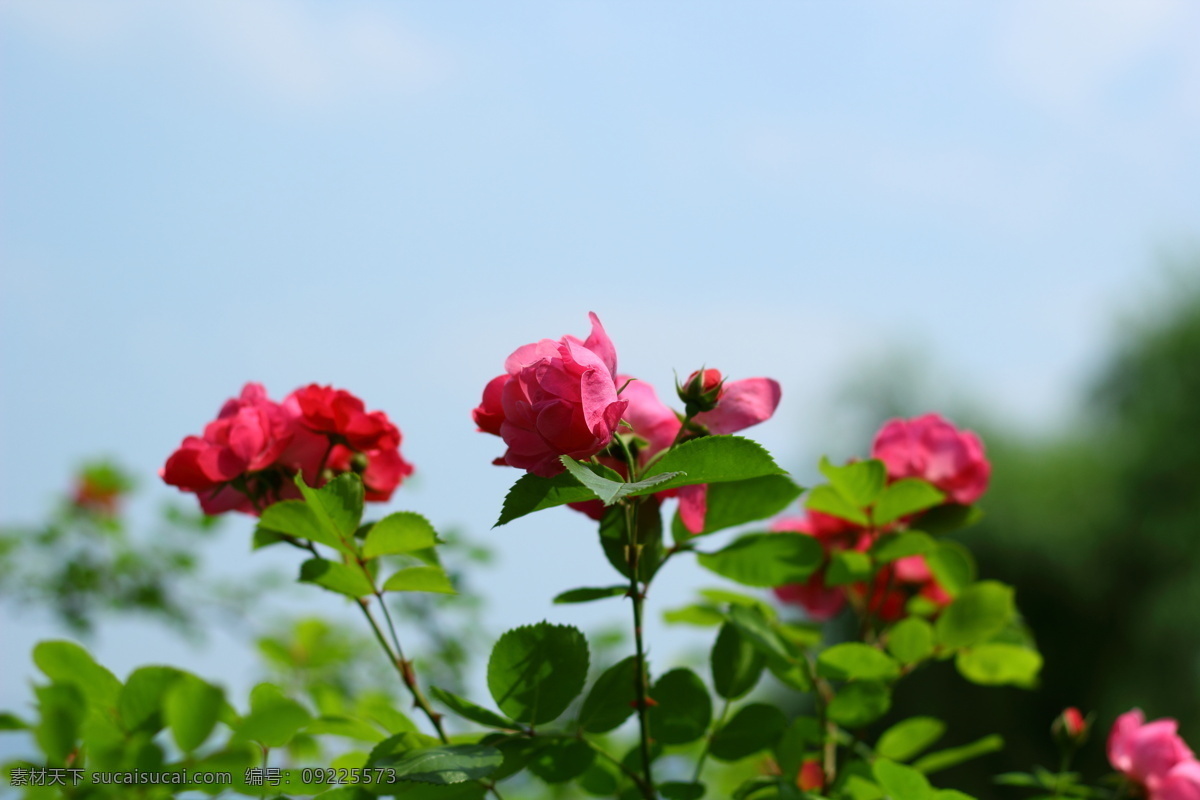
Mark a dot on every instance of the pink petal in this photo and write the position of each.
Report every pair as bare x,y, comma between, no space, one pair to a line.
693,507
743,403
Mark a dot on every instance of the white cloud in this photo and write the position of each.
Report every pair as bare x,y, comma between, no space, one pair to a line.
294,52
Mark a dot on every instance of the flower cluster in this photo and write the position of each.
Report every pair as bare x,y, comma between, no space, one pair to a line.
248,456
926,447
1153,756
566,397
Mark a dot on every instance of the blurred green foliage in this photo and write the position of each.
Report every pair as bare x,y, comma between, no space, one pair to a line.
1097,525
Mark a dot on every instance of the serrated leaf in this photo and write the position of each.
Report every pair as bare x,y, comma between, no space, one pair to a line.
610,701
335,577
697,614
67,662
587,594
754,728
848,566
781,659
979,611
420,579
827,500
859,482
901,545
191,707
944,759
997,664
910,640
766,559
448,764
739,502
901,782
402,532
11,722
468,710
297,518
909,738
711,460
736,663
337,505
536,671
949,517
607,490
857,661
61,708
682,709
904,497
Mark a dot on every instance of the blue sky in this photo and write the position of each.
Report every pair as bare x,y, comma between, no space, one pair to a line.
391,197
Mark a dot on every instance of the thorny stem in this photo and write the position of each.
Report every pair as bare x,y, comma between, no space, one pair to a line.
637,595
824,696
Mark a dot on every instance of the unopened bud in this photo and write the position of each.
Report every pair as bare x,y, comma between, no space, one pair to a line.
811,777
701,391
1070,729
358,463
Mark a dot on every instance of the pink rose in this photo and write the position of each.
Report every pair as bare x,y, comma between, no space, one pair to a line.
1147,752
932,449
1182,782
245,439
819,601
556,398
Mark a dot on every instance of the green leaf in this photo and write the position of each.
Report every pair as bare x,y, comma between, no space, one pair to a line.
468,710
11,722
736,663
402,532
781,659
192,707
67,662
910,640
337,505
699,615
678,790
859,703
827,500
297,518
683,709
859,482
726,597
614,541
273,719
401,743
980,610
944,759
996,664
711,460
951,794
754,728
766,559
420,579
901,545
533,493
856,661
601,779
348,727
535,671
62,708
952,566
949,518
335,577
587,594
739,502
445,765
848,566
611,699
901,782
607,490
141,699
909,738
562,760
905,496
